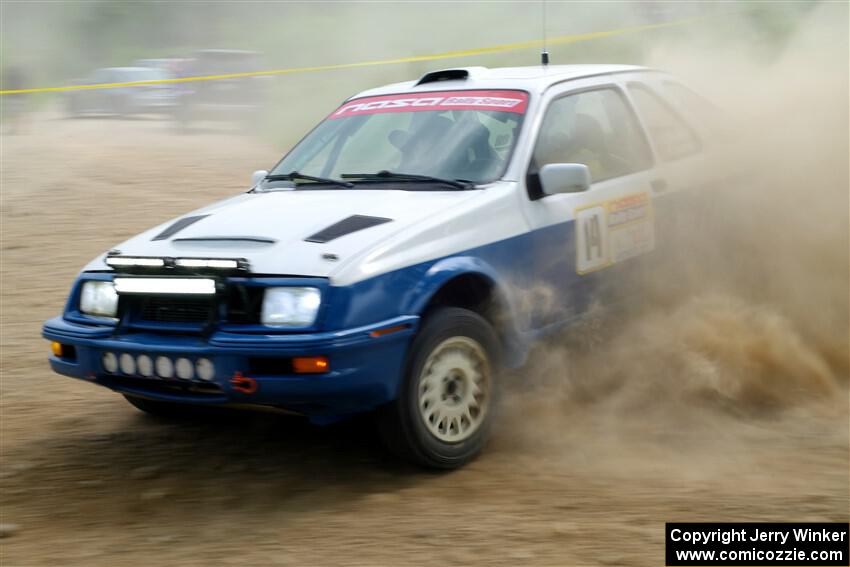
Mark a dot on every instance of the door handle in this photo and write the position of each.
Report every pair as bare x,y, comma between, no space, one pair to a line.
659,185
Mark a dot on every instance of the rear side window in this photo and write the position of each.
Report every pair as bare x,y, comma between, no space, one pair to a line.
690,101
709,117
595,128
673,138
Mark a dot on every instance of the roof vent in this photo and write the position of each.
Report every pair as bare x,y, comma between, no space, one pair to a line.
446,75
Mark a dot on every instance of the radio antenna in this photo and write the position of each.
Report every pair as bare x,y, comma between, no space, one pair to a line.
544,55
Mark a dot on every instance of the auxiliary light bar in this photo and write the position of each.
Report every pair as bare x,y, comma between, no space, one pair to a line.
128,261
206,263
170,286
188,263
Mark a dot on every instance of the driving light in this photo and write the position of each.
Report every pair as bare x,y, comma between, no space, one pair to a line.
109,361
171,286
290,306
145,365
164,367
127,262
127,363
185,368
205,369
207,263
98,298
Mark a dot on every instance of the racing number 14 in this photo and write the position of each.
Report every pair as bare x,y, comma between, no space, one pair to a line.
591,239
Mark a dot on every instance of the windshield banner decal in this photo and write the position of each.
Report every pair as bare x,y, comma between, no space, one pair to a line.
505,101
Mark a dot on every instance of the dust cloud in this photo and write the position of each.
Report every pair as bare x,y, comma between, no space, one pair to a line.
740,339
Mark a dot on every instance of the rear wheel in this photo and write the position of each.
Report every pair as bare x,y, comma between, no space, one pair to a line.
444,411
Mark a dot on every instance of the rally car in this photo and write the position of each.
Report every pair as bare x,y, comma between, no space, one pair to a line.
388,262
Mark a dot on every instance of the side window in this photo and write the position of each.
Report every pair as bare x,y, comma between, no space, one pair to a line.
689,100
672,136
710,117
595,128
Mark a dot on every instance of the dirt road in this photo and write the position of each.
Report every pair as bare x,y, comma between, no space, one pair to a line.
577,474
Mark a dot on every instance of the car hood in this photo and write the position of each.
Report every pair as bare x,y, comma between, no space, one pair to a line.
270,229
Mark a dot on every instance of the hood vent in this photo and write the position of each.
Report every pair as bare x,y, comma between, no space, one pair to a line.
177,226
346,226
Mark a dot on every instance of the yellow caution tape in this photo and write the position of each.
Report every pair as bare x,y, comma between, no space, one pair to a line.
414,58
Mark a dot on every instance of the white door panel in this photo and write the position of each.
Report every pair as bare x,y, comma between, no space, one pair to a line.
581,237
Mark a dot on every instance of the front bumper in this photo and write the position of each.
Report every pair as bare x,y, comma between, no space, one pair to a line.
365,366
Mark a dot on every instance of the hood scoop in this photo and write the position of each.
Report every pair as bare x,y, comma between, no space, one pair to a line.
348,225
177,226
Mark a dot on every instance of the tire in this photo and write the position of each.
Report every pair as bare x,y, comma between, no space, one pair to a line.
444,410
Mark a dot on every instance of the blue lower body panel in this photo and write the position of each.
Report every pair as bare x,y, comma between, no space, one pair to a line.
364,370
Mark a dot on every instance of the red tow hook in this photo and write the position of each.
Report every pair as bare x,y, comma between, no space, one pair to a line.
243,383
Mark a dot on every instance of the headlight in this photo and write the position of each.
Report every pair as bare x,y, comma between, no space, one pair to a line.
99,298
290,306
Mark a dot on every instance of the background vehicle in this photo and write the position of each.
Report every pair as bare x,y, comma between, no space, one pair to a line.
168,65
238,99
123,101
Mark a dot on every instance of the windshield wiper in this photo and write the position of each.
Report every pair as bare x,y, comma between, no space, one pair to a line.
294,175
394,176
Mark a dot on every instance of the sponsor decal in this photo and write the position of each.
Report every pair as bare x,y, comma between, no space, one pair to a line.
613,231
505,101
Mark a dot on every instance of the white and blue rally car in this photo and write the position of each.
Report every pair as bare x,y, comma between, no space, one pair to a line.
393,259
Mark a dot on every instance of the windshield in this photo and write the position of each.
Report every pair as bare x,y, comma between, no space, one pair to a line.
457,135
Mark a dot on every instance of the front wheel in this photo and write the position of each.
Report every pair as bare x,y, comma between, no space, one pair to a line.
444,411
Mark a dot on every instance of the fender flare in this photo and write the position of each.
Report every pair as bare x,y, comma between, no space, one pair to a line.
446,270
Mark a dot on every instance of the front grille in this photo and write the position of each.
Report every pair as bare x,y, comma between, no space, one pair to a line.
244,304
237,303
176,310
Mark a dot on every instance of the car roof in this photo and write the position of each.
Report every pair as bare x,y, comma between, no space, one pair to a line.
534,79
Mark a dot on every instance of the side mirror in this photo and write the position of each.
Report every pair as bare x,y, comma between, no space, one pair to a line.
564,178
258,176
